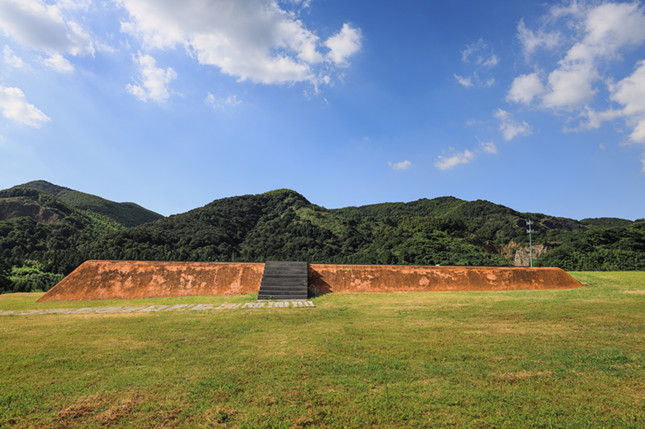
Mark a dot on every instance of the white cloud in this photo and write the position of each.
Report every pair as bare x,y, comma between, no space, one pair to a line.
466,82
14,106
479,53
480,59
220,103
630,92
525,88
488,147
10,58
403,165
445,163
247,39
643,161
607,28
511,128
595,119
573,8
59,63
492,61
593,36
638,135
43,27
612,26
570,86
343,45
532,41
154,81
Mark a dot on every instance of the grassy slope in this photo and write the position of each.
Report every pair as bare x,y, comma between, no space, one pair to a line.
565,358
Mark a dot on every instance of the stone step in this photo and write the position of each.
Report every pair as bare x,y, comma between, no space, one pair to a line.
282,297
284,280
280,290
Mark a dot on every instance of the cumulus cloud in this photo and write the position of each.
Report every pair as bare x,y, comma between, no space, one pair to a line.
570,85
10,58
154,81
606,29
248,39
638,135
589,37
343,45
629,93
15,107
446,163
43,27
403,165
525,88
511,128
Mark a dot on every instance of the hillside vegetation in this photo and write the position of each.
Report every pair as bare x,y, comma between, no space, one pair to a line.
44,228
55,228
126,214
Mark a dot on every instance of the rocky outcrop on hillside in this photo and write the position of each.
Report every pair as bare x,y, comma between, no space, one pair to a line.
13,208
523,254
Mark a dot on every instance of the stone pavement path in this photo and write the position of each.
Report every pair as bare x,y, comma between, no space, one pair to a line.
156,308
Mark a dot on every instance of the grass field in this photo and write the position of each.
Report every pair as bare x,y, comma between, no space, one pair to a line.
560,358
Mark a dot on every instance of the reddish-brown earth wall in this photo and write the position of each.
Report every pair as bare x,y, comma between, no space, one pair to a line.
139,279
325,278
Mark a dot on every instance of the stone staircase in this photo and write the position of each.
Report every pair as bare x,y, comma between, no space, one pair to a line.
284,281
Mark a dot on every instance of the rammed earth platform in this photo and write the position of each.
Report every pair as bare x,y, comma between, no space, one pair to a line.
143,279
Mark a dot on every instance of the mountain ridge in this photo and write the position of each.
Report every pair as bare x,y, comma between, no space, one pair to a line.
38,225
126,213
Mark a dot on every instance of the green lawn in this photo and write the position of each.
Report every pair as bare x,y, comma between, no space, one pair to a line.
561,358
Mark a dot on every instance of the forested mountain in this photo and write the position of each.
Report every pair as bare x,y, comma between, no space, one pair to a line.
49,229
126,214
282,225
44,227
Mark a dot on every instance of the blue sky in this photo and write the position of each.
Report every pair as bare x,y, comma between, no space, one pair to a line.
537,106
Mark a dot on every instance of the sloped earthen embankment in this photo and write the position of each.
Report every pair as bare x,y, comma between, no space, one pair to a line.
325,278
142,279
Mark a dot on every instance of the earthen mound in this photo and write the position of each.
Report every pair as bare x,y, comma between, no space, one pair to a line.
324,278
143,279
139,279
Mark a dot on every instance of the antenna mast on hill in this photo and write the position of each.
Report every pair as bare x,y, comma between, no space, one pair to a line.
530,230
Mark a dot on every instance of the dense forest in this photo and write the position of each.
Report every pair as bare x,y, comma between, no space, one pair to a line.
46,231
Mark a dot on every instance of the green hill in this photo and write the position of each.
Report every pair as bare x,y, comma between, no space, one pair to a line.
284,225
38,229
44,228
126,214
59,228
